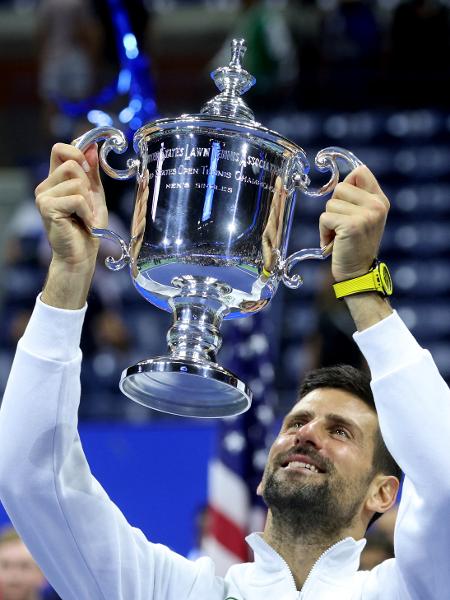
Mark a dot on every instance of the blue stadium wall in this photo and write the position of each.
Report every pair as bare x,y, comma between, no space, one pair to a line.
156,473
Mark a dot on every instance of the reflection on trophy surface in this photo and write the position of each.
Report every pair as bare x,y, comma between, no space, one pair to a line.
139,222
272,234
209,235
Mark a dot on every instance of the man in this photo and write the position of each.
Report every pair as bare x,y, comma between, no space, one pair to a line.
20,577
324,453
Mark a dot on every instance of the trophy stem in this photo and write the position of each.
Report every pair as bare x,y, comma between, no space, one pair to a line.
195,330
198,313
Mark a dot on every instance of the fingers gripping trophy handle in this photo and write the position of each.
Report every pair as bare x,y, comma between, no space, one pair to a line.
326,160
114,140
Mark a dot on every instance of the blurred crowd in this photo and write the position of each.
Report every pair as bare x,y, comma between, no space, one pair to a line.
332,54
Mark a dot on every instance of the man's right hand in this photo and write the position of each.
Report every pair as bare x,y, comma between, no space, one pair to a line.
71,201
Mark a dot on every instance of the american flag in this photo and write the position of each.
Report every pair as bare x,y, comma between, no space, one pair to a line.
234,509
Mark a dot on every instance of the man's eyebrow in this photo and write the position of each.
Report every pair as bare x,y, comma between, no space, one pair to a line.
308,414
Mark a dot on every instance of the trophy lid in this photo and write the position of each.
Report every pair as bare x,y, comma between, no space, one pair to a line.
232,81
225,111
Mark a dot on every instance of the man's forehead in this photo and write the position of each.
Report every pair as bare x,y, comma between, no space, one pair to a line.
335,402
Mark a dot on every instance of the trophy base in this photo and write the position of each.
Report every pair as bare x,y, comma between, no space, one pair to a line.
186,387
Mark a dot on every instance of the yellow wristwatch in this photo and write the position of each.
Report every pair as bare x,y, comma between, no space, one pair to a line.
378,279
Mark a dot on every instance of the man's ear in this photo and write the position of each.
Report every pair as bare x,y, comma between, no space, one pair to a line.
382,493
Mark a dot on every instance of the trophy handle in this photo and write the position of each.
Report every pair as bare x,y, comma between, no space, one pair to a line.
325,161
114,264
114,140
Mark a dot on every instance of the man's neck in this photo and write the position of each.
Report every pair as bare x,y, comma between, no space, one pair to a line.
300,552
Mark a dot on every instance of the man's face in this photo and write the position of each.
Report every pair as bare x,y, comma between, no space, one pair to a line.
320,466
20,577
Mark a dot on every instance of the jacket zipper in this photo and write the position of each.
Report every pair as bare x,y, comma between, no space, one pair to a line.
315,565
300,593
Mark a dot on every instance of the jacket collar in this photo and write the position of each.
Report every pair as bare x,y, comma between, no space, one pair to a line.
338,562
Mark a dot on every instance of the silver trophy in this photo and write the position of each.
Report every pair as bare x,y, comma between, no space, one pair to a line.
209,235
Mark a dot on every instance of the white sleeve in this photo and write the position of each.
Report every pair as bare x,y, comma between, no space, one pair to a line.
413,405
79,537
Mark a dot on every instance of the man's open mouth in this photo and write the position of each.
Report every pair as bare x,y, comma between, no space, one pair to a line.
296,463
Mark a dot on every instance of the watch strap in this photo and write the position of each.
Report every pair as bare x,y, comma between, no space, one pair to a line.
358,285
378,279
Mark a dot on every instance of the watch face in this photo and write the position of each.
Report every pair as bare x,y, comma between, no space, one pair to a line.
386,279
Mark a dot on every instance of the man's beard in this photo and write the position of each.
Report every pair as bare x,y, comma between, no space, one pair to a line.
313,506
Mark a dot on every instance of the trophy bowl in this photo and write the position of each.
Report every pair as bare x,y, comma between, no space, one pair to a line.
215,195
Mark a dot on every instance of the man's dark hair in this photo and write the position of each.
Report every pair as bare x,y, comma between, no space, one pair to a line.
357,383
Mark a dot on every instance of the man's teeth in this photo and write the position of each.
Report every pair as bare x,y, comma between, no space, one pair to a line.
296,464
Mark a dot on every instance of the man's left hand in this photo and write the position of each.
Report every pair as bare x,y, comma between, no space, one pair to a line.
355,218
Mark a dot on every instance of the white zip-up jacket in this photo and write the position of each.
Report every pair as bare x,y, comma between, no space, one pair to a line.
88,551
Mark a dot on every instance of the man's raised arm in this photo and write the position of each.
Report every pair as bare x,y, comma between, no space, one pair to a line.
412,400
77,535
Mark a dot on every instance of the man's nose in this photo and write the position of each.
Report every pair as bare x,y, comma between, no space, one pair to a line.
310,433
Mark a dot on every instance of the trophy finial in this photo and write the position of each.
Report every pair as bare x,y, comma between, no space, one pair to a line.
238,50
232,81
